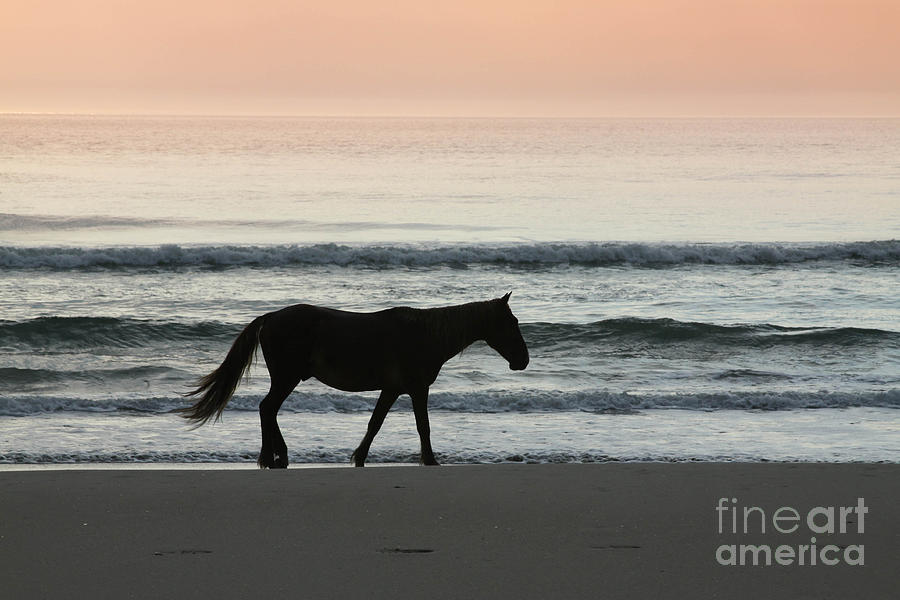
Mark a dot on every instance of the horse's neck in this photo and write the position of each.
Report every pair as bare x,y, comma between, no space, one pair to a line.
457,327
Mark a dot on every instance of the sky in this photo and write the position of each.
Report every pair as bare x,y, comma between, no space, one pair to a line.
452,57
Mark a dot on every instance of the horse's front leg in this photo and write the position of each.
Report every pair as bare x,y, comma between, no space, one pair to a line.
385,401
420,408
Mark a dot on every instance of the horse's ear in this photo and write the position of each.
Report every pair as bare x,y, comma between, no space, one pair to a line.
505,298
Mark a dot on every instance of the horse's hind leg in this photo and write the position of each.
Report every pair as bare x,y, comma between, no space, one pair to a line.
286,365
420,408
385,401
273,454
280,450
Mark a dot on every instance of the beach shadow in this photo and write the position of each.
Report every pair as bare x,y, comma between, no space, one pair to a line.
406,550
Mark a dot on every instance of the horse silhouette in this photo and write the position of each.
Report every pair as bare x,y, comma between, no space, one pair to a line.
398,351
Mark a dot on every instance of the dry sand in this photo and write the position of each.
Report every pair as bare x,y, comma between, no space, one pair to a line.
491,531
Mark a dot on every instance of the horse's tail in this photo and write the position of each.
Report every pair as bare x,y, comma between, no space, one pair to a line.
216,388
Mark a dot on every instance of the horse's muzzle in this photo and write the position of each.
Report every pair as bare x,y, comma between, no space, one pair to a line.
519,366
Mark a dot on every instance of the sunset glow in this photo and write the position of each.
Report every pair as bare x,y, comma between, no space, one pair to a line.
495,57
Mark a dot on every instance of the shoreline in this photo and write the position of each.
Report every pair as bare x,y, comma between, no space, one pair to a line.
867,435
615,530
165,466
252,466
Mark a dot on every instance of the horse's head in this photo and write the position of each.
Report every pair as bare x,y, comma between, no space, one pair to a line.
504,335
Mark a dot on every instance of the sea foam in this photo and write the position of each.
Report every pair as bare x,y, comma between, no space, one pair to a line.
391,256
479,402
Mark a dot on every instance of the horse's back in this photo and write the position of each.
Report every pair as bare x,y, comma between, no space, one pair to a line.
309,316
348,350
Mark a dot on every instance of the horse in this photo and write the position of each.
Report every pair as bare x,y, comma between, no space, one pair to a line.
397,350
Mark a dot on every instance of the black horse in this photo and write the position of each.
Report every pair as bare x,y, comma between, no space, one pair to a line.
398,351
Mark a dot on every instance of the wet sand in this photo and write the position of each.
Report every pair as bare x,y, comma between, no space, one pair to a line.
485,531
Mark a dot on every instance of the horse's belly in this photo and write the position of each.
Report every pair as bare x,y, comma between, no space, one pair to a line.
354,376
348,384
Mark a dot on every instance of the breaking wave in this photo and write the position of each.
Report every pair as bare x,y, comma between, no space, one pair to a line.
483,402
670,330
387,256
58,334
77,333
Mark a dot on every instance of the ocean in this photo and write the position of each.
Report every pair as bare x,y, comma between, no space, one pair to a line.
690,289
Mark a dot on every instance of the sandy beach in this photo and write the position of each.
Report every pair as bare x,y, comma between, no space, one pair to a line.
486,531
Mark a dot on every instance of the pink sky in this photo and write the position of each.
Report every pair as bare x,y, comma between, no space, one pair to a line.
457,57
